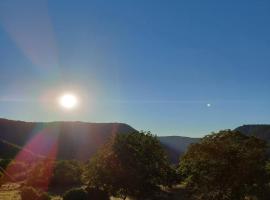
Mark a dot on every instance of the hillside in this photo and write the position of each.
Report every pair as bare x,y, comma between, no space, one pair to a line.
80,140
176,145
75,140
260,131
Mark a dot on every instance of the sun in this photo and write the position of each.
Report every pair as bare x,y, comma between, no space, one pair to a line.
68,101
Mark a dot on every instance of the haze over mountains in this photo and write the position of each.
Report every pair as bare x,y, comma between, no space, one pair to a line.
80,140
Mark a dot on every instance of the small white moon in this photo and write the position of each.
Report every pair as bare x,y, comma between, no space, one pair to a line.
68,101
208,105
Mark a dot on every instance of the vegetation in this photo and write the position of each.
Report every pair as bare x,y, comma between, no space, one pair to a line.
95,193
66,173
4,163
129,165
75,194
30,193
40,174
226,165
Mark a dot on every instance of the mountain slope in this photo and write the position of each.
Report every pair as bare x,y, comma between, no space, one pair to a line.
176,145
80,140
260,131
72,140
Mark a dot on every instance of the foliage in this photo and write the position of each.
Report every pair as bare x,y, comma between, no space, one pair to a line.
44,196
4,163
82,194
95,193
75,194
40,174
16,170
225,166
66,173
30,193
129,165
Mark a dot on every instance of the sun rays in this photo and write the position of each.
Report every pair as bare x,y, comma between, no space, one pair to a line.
37,156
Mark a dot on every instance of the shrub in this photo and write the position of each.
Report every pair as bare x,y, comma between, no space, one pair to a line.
4,163
66,173
89,194
44,196
94,193
75,194
30,193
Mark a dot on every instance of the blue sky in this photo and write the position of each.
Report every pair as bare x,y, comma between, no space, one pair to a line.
152,64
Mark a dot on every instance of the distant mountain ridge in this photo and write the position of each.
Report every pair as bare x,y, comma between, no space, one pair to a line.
176,145
261,131
81,140
75,140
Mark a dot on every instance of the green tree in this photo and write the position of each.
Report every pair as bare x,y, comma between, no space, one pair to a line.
130,165
75,194
30,193
225,166
66,173
4,163
39,174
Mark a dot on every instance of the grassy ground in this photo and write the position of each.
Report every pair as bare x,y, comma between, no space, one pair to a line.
10,191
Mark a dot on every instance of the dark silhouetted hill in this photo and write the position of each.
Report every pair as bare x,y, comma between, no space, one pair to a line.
72,140
80,140
260,131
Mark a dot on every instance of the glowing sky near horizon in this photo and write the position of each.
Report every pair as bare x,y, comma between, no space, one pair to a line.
175,68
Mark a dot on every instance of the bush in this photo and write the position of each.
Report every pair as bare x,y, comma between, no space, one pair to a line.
94,193
66,173
4,163
30,193
44,196
89,194
75,194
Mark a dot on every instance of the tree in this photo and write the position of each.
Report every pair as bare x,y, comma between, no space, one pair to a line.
4,163
66,173
225,166
75,194
129,165
39,174
82,194
30,193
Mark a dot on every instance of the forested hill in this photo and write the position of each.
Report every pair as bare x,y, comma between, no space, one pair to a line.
80,140
75,140
260,131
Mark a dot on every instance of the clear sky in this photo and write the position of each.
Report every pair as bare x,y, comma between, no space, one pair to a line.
172,67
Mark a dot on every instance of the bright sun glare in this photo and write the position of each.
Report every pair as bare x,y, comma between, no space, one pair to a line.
68,101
